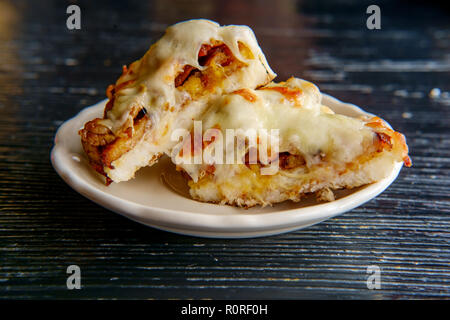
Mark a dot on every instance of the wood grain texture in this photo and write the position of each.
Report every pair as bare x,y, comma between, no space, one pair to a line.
48,74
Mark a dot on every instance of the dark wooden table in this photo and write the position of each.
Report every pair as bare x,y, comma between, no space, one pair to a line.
48,74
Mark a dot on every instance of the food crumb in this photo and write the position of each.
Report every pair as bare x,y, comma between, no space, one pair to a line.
325,194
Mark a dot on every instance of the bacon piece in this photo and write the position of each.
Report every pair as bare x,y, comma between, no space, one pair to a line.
384,141
182,77
204,50
96,134
142,113
289,93
220,53
290,161
389,138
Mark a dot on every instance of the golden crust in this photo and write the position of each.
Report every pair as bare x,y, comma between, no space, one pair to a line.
398,139
294,181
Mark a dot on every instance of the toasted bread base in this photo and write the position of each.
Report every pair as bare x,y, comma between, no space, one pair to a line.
245,187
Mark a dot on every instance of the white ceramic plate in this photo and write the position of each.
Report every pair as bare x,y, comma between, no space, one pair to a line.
157,196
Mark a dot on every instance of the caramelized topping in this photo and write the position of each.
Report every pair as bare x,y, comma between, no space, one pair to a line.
220,53
124,84
246,94
286,160
384,141
289,93
219,62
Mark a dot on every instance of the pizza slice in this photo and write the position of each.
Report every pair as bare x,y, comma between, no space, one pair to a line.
170,86
277,143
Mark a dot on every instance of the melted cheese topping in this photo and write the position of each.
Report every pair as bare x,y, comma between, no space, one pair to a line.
151,79
294,108
150,83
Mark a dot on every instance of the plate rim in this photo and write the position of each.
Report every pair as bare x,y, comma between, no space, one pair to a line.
206,225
